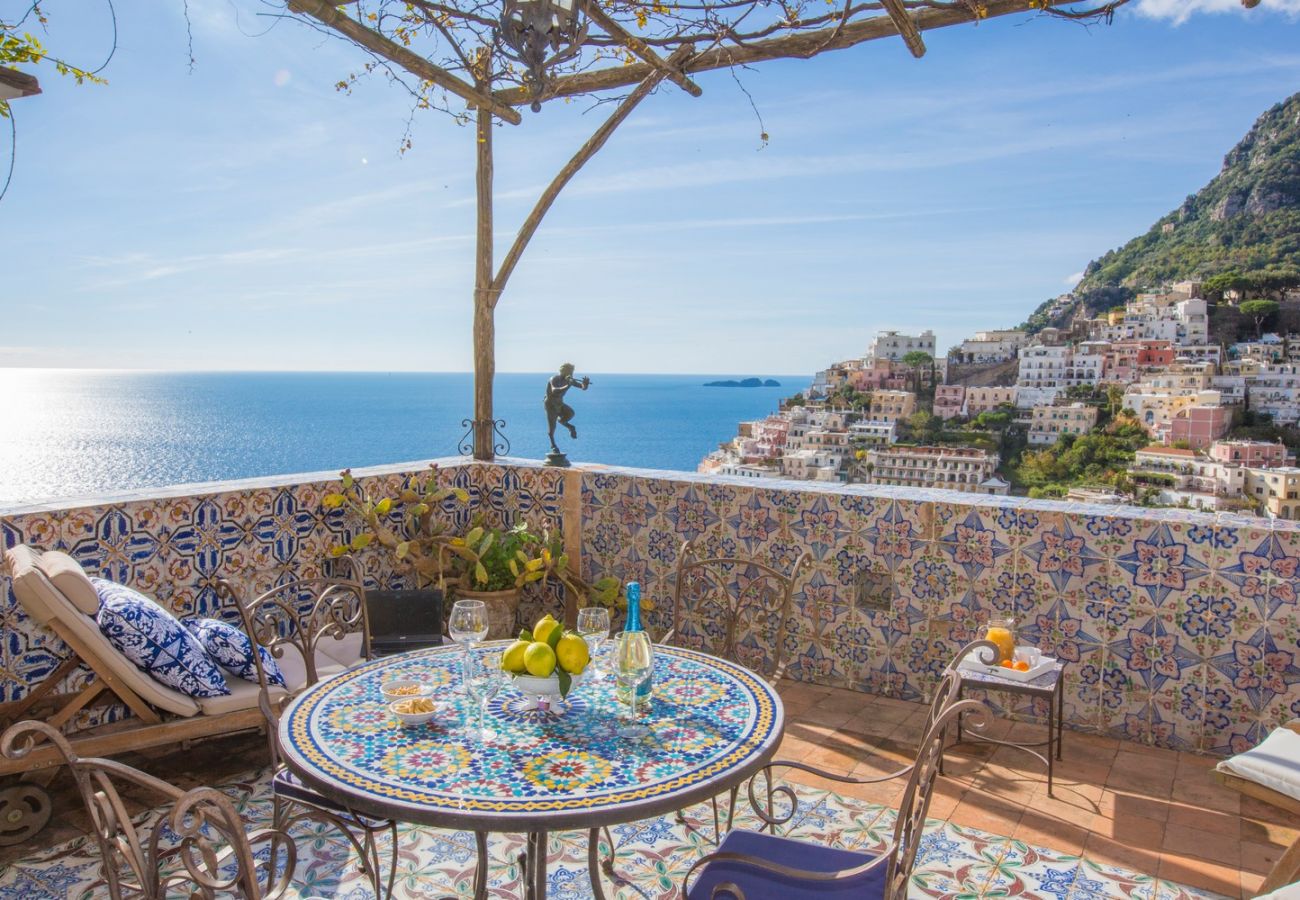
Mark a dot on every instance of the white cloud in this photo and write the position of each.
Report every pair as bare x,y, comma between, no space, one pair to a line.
1072,280
1179,11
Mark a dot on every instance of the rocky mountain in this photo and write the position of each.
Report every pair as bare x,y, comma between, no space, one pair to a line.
1247,219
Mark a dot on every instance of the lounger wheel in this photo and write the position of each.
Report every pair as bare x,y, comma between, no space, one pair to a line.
24,811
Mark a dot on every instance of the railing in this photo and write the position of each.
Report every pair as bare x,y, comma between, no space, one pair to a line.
1178,627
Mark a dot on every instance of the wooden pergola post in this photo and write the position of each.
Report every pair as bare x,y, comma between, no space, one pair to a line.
484,326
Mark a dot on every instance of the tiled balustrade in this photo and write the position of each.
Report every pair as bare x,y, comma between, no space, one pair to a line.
1180,628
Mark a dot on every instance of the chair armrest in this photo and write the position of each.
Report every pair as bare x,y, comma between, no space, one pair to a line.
764,865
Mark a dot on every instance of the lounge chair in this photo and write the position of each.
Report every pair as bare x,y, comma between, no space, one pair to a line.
56,593
1271,772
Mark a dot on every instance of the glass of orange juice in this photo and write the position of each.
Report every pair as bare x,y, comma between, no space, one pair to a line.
1003,633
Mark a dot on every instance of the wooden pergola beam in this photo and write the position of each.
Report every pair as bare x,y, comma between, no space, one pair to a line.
640,48
328,15
902,20
15,84
795,45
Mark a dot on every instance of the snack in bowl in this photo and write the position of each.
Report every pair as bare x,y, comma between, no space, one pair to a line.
404,687
413,710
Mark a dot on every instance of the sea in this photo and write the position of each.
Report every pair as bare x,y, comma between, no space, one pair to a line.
74,433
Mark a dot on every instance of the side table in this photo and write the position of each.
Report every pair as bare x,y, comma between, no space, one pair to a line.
1046,685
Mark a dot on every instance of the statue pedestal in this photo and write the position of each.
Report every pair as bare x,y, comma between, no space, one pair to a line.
557,459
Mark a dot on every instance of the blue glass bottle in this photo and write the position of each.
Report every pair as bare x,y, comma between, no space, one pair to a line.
635,631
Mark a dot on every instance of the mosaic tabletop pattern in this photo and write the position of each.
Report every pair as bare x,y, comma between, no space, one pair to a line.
711,724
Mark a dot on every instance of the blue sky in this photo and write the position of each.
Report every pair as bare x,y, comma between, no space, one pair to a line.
249,216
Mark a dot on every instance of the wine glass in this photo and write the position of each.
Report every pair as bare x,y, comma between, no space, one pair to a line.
467,623
483,679
593,627
633,661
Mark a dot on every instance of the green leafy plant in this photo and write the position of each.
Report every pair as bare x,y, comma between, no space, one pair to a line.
411,525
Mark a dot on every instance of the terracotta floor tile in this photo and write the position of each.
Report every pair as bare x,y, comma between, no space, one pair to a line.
1265,812
1134,831
988,813
833,758
1048,831
1259,858
1269,832
1122,804
1227,825
1105,850
1198,788
829,717
1202,874
1196,842
1151,784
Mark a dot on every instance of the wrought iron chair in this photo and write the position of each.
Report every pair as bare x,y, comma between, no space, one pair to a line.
201,847
736,608
751,865
314,628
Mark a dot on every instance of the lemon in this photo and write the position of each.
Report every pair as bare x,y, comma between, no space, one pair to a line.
513,659
539,659
542,630
572,653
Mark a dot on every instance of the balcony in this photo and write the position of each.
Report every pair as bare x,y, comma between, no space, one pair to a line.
1163,617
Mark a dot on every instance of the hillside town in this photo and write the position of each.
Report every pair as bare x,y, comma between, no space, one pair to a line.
1178,418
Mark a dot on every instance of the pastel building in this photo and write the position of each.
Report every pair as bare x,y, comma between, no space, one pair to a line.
891,406
986,399
967,469
949,399
1050,422
1200,426
894,346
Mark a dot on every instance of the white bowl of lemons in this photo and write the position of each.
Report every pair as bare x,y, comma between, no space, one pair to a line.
546,662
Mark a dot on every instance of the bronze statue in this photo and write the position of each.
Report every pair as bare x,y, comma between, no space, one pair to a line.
557,411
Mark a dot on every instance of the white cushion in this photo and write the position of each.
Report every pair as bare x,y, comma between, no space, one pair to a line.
1275,763
346,650
295,671
66,575
243,695
44,603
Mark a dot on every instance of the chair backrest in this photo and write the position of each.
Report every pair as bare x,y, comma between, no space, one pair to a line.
298,623
200,847
945,708
734,607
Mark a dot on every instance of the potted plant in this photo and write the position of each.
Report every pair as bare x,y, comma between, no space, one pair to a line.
492,564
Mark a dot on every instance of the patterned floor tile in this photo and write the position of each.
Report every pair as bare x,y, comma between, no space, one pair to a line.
652,859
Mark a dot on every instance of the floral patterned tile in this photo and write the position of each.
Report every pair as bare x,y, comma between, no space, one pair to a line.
652,858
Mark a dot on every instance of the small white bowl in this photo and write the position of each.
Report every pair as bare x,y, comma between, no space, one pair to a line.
410,720
1031,655
387,688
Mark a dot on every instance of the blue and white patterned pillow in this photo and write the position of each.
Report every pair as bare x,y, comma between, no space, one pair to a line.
150,637
231,649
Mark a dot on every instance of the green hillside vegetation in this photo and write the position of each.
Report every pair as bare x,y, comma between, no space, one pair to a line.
1244,227
1098,458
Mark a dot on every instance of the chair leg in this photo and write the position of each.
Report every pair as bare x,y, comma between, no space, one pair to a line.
731,809
717,824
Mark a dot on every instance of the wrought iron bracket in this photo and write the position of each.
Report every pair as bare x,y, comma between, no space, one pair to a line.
500,444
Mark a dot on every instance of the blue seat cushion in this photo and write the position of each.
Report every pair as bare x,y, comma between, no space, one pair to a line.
286,784
231,649
152,638
759,884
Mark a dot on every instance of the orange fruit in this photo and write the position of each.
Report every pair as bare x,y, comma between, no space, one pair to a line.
1022,666
1006,664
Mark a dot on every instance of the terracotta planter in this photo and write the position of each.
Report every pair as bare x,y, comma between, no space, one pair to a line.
503,610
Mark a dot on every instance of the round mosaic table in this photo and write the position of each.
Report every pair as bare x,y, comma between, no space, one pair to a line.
713,725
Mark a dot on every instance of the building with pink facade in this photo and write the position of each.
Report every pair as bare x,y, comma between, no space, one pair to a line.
948,400
1256,454
1200,426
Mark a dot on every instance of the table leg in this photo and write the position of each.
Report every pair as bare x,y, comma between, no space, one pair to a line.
1060,713
535,867
481,872
593,863
1051,736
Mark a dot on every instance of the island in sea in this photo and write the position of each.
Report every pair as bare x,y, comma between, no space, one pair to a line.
744,382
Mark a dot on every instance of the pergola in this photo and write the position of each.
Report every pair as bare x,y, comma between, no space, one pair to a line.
498,55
